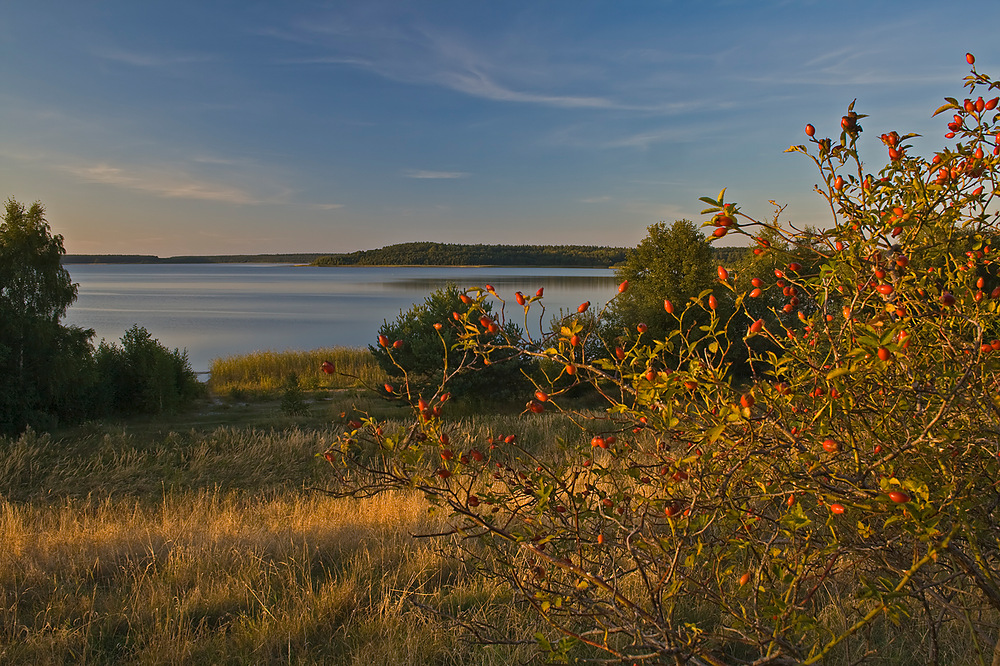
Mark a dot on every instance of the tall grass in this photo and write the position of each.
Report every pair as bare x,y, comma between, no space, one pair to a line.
205,577
265,372
209,547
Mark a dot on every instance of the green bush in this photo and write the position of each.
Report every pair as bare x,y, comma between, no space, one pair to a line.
848,489
141,376
421,348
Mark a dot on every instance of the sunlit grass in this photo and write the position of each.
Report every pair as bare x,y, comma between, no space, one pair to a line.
266,372
206,577
132,544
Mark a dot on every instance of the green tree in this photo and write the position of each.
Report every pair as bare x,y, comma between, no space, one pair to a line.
672,263
292,401
142,376
38,356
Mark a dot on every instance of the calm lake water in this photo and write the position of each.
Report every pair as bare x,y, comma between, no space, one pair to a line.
216,310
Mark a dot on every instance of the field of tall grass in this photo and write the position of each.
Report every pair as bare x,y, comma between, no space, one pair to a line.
210,577
219,546
143,543
265,373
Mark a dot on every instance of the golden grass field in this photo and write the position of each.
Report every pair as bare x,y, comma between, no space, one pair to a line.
204,538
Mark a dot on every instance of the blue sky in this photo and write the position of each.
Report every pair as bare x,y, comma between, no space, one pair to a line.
202,127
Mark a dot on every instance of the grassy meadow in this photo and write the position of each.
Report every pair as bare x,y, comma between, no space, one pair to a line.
205,537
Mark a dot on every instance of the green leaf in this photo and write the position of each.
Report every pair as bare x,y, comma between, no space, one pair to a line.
711,202
837,372
715,432
943,108
722,195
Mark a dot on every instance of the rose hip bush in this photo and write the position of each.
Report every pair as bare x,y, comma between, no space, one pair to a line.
850,486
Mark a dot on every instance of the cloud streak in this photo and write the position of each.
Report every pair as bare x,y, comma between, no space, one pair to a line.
148,60
422,174
164,183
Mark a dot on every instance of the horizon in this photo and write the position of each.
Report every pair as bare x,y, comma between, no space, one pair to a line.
195,129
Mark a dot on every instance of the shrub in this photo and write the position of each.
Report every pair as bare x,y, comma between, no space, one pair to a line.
422,348
292,402
141,376
849,487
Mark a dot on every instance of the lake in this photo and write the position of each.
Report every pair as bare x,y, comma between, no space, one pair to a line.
217,310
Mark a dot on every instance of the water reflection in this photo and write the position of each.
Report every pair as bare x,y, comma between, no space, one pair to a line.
509,284
215,310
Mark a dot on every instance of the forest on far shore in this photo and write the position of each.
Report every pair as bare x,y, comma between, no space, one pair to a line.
413,254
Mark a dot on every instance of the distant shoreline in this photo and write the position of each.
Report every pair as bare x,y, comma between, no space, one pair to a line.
404,255
192,259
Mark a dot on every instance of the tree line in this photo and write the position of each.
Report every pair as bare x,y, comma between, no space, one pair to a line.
413,254
453,254
51,374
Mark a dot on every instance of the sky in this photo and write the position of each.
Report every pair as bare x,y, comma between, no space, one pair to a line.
231,127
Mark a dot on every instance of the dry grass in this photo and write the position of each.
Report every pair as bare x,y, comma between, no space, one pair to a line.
206,577
137,545
265,372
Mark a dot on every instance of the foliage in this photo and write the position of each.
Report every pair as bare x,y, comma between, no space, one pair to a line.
672,263
420,348
141,376
38,356
292,401
695,521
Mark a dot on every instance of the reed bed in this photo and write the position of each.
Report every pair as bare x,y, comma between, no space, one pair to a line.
265,373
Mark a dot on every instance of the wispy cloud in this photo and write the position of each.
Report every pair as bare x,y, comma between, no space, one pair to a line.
434,175
146,59
424,56
327,206
477,84
160,182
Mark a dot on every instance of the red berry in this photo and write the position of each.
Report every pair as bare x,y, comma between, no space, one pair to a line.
810,130
969,58
899,497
